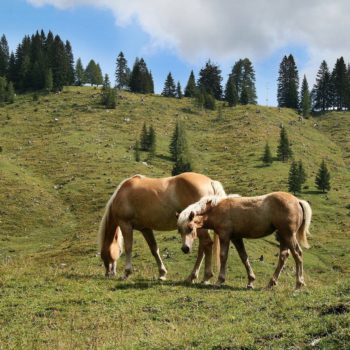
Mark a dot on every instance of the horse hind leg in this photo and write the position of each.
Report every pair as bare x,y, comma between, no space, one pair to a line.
151,241
238,243
298,257
283,256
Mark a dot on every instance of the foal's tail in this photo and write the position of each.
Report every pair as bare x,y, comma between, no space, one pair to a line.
303,231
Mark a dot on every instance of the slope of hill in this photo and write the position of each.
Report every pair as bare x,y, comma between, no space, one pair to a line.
63,156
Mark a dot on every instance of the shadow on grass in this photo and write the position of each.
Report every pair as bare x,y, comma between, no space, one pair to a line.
148,284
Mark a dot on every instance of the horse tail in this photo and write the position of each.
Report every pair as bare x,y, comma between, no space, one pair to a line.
303,231
218,188
216,251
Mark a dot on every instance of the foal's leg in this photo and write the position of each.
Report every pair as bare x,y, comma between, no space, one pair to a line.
151,241
195,272
128,241
238,243
207,243
224,246
284,253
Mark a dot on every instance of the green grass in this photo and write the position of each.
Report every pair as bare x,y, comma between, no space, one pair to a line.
62,158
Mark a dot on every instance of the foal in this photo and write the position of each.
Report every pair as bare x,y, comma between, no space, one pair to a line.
234,218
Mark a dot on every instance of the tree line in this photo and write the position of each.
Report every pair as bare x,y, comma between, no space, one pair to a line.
331,90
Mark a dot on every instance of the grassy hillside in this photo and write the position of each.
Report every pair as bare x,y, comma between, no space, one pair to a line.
63,156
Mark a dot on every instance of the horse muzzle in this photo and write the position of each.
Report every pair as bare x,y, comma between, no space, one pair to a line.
185,249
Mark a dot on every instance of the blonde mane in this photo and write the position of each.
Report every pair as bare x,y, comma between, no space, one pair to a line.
198,207
102,227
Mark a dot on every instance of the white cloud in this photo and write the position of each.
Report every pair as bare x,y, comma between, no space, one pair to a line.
222,29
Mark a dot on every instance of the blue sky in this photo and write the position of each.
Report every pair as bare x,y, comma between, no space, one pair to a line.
181,36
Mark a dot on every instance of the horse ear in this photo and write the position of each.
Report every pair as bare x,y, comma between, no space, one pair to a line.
177,214
191,216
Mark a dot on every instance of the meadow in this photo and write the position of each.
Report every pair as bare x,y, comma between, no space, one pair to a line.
63,155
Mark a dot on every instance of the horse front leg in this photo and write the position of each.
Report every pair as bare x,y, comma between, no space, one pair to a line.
151,241
207,243
127,232
238,243
224,246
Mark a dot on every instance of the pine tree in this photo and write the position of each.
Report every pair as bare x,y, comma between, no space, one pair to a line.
48,80
169,89
144,138
10,92
294,184
4,56
323,178
79,73
340,84
108,95
210,80
305,99
93,74
178,90
267,156
137,151
284,152
301,173
151,141
322,90
231,95
69,61
190,90
140,78
182,158
288,83
243,76
3,85
173,142
122,72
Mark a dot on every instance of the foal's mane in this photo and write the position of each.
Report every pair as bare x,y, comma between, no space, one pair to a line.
102,227
199,207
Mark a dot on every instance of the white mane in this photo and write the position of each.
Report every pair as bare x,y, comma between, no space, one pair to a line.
198,207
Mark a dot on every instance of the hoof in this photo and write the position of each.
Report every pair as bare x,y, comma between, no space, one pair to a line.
250,286
206,282
300,285
162,278
271,284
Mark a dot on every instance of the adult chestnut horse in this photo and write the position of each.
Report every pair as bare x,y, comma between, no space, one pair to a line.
148,204
234,218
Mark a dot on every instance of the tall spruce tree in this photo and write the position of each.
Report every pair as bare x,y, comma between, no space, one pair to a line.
267,156
190,90
209,80
340,84
4,56
231,95
122,72
301,172
179,150
323,178
284,152
322,90
141,78
288,83
151,142
178,90
144,138
294,183
305,98
169,89
243,76
69,62
79,73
